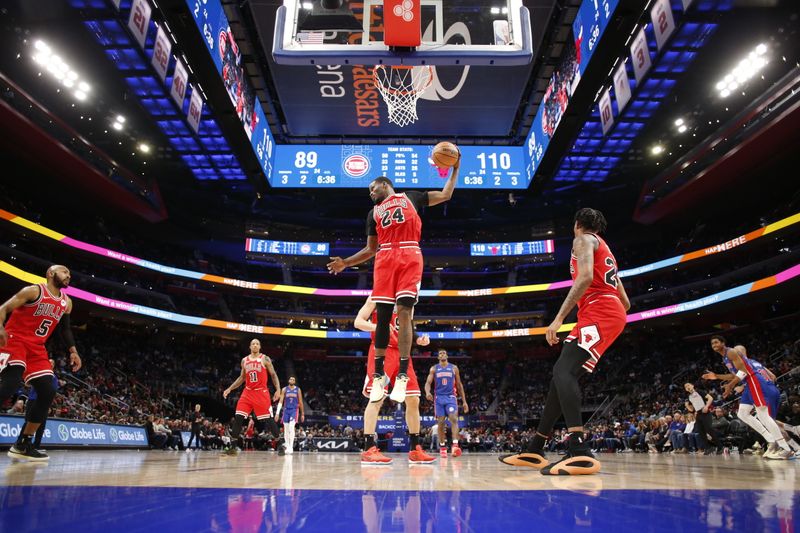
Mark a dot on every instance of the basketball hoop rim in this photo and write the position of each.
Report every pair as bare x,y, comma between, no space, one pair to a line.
401,92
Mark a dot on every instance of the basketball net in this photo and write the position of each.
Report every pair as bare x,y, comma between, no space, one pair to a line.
401,87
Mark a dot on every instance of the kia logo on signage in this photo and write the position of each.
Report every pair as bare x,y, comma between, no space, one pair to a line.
356,165
63,432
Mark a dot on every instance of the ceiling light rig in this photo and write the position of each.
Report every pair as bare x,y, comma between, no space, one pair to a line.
60,70
748,67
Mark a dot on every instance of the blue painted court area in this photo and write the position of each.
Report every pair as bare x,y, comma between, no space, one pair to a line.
118,509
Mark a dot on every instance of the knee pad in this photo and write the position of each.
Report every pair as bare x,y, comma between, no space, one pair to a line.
570,362
45,392
10,380
384,312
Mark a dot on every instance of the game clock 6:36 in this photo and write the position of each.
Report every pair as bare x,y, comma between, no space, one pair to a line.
409,166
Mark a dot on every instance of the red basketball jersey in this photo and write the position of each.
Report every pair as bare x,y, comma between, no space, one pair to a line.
36,321
255,373
397,221
604,277
394,328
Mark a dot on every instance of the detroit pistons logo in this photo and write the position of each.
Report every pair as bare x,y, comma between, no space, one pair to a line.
356,166
305,249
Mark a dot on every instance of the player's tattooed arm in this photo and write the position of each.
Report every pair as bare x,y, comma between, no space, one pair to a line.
24,296
583,247
274,376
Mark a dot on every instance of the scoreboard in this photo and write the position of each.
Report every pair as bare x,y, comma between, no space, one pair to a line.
489,249
264,246
408,166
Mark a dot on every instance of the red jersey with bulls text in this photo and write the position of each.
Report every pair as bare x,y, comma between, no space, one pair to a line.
604,277
397,220
36,321
255,373
394,328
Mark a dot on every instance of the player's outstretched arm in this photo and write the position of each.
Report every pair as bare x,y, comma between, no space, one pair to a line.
623,296
274,376
337,264
24,296
235,385
300,405
429,382
461,391
438,197
65,330
362,321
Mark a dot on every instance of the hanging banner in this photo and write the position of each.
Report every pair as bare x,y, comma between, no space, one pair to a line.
161,51
179,79
606,113
622,87
139,21
195,109
640,54
663,22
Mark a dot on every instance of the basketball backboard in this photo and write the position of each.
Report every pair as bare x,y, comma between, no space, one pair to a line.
453,32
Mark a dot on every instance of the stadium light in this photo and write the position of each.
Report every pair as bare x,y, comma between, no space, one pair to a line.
59,69
744,70
656,149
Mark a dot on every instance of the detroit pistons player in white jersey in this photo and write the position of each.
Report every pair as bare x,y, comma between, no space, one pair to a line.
255,398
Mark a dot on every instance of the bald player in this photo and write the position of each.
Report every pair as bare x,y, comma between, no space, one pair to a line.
33,313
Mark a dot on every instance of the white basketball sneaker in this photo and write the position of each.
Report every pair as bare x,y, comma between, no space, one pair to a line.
377,393
399,391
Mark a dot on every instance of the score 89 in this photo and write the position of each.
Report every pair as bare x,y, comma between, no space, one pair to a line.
305,159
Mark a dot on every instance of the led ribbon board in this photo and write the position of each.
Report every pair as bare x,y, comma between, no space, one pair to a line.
215,29
119,305
428,293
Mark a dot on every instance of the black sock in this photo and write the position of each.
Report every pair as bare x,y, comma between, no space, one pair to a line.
403,366
536,444
378,366
414,440
370,441
22,439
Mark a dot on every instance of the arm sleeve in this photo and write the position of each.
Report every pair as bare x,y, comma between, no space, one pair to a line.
372,228
419,199
65,329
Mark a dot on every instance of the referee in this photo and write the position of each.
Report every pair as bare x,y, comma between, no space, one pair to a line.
702,425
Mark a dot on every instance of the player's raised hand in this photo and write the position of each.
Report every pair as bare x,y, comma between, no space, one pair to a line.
552,332
424,340
336,265
709,375
75,361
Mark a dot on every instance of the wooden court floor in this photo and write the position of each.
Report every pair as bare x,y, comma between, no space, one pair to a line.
331,471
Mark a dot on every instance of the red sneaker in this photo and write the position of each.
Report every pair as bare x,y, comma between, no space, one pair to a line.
417,456
443,453
456,450
373,456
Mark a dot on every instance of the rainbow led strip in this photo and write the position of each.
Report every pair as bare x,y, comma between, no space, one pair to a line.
253,285
729,294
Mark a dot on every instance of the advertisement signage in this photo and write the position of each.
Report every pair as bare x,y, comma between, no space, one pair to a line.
70,433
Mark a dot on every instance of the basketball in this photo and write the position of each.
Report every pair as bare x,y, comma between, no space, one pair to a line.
445,154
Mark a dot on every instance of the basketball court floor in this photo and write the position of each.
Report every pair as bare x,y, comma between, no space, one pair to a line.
260,491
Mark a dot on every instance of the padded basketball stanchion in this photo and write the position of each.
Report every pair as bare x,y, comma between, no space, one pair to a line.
402,23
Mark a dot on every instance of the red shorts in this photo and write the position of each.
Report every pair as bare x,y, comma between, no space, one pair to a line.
398,273
29,355
600,321
391,366
257,401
